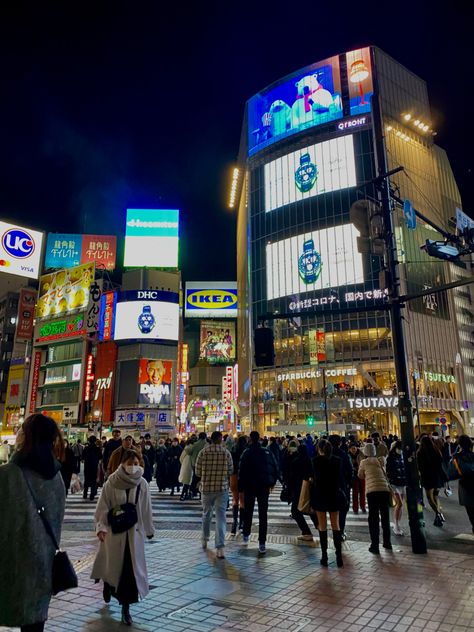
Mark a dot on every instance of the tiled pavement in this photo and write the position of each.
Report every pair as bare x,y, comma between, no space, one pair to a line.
284,590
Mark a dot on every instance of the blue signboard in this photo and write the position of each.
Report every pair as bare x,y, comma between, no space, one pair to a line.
211,300
410,215
63,250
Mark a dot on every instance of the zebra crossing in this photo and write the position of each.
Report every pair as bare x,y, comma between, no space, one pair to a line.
169,512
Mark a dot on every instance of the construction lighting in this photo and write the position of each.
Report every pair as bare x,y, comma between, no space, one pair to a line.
233,188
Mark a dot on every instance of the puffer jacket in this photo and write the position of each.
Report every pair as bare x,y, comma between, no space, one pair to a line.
396,469
257,469
372,470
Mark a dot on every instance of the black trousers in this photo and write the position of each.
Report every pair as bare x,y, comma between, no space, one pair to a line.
261,495
343,512
470,513
299,518
93,485
33,627
378,503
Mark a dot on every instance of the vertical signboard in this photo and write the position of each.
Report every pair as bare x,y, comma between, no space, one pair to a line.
89,381
92,315
26,313
107,315
35,380
313,347
105,379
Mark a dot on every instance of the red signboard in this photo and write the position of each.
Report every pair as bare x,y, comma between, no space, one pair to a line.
35,380
102,249
105,366
26,314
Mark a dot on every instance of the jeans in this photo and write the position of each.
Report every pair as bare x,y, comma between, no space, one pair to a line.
379,504
217,501
299,518
358,494
249,503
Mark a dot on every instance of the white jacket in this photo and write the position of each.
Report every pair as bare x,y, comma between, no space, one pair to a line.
109,559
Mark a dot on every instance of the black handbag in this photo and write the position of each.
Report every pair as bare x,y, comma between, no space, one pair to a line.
63,576
285,495
124,517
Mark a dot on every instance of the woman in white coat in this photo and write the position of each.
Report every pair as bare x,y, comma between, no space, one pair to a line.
120,561
186,471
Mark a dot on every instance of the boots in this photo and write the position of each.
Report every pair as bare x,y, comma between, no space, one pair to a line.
323,539
184,493
235,517
241,519
337,539
126,616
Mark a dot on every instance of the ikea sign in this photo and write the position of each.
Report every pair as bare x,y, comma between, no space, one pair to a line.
211,300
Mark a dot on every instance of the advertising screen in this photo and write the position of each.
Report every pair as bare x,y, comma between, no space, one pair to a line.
320,168
20,250
359,73
64,291
146,315
154,380
217,342
307,98
65,250
206,299
151,238
326,258
26,313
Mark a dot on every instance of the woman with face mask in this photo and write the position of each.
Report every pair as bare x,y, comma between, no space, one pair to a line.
398,480
120,561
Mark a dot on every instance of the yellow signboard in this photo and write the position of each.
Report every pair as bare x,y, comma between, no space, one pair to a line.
65,290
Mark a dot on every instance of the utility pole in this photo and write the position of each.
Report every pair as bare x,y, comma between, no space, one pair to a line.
414,494
325,391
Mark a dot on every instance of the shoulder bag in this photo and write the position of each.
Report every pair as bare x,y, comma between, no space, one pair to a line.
63,576
124,517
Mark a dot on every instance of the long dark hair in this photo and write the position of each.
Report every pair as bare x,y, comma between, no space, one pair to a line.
40,430
427,446
325,447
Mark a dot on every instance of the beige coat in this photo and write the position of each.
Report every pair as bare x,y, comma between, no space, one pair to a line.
109,560
372,469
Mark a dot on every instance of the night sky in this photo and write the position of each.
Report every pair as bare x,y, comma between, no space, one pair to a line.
105,106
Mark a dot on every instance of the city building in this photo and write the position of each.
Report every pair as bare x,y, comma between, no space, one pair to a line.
8,319
311,259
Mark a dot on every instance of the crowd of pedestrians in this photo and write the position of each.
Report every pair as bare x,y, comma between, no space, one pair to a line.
317,477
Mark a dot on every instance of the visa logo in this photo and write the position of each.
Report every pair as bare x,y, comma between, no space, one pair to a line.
212,299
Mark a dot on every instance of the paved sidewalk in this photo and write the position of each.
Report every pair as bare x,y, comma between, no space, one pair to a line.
285,590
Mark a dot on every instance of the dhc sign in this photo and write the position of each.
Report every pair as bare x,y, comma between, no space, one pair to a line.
211,300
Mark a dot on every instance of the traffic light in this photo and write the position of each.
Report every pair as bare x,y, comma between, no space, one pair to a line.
441,250
310,420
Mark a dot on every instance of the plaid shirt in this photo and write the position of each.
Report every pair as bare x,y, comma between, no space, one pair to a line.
214,466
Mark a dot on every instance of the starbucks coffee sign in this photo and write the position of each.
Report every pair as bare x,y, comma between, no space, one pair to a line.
314,373
373,402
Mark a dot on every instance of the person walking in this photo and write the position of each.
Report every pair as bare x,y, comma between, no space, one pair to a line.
358,485
327,496
214,466
297,468
27,549
173,465
199,445
78,449
258,473
186,470
92,456
432,475
380,446
462,467
161,468
346,480
110,446
372,470
149,456
115,459
237,496
120,561
68,466
398,481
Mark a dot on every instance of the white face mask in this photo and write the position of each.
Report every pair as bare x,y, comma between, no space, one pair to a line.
399,451
132,469
147,447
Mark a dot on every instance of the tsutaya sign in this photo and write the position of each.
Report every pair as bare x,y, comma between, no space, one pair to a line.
373,402
313,373
439,377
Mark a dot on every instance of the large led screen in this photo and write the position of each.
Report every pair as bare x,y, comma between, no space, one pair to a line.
155,377
359,74
310,97
64,291
217,342
20,250
151,238
310,171
321,259
146,315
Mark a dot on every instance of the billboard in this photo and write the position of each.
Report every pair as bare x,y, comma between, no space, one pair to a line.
154,379
217,342
359,74
320,259
65,250
309,97
105,367
140,315
20,250
321,168
65,290
26,313
211,299
151,238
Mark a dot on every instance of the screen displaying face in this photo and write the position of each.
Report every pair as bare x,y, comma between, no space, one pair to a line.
155,378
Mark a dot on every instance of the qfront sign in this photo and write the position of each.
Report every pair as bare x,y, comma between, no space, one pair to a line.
211,300
373,402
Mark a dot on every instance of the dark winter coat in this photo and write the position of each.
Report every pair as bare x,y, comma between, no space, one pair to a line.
68,467
257,469
462,468
326,492
174,465
91,456
110,446
298,469
347,471
395,468
430,465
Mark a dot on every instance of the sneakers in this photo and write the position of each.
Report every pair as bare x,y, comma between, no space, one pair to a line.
220,554
438,521
374,549
305,538
245,540
397,530
204,544
262,549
